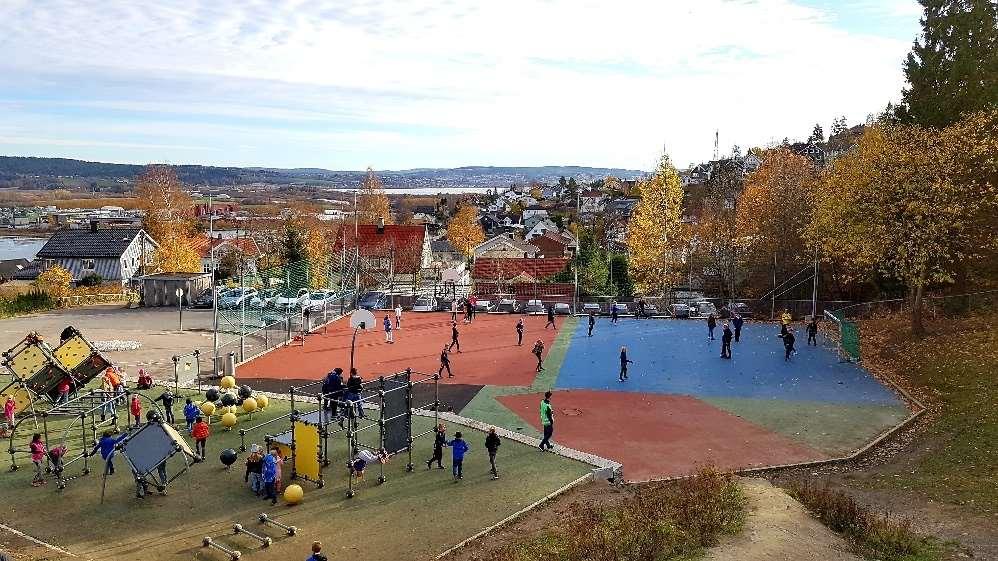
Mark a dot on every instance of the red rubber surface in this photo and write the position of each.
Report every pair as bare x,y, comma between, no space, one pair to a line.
657,436
489,353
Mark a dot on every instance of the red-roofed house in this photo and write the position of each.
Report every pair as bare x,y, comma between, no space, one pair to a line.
555,244
518,270
391,254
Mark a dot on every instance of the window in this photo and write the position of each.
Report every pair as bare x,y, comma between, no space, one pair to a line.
87,264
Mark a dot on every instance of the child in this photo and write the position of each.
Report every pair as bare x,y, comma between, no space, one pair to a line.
254,470
592,322
106,446
492,443
316,553
145,380
8,415
363,458
167,399
63,389
37,448
270,477
191,413
624,361
135,408
279,481
439,441
200,432
458,449
788,343
614,316
519,332
711,324
726,341
737,322
550,318
445,362
55,459
453,337
108,407
388,330
812,332
398,316
538,352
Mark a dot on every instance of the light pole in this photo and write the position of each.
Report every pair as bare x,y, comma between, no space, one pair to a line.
180,306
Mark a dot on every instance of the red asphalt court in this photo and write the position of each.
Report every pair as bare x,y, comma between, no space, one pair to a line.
489,353
657,436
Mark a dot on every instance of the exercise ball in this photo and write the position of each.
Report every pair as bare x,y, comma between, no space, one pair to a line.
228,399
211,394
227,457
208,408
229,419
262,401
227,382
245,391
249,405
293,494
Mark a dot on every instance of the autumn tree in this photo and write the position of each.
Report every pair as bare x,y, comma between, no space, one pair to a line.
372,202
654,237
307,244
168,217
464,231
54,281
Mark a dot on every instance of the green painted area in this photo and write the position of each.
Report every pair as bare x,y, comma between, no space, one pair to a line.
835,429
484,406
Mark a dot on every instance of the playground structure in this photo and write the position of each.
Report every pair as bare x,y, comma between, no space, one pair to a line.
390,430
149,448
239,529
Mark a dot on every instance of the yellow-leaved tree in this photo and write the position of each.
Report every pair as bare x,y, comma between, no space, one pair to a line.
655,235
464,232
169,219
306,239
372,202
54,281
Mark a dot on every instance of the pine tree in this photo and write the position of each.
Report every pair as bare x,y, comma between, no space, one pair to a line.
953,67
817,135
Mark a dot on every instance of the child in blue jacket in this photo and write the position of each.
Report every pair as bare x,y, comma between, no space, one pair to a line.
106,446
191,413
458,449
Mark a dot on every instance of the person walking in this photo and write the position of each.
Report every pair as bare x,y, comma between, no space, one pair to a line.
135,408
167,398
550,322
191,413
788,344
538,352
445,362
106,446
624,361
398,316
547,422
439,441
492,443
614,316
388,330
454,334
812,332
519,332
726,336
458,449
200,434
711,324
737,323
355,385
592,322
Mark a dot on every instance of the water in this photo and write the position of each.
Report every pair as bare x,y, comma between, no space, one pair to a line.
20,248
422,191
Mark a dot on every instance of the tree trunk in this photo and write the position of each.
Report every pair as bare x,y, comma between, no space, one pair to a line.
918,291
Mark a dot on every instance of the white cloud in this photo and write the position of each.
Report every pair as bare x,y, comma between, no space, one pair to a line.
404,83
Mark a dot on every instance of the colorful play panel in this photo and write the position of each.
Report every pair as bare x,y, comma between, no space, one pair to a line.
682,407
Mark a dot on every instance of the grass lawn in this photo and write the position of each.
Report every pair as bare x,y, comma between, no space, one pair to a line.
412,516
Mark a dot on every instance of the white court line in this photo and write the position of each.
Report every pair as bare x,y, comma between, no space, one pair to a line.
36,540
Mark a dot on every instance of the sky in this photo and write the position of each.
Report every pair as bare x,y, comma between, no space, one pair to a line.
399,84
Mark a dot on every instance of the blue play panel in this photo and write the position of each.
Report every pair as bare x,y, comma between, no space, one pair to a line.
674,356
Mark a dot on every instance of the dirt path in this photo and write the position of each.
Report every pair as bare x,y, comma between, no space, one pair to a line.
778,528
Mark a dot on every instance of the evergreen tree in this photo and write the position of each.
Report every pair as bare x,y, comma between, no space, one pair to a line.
817,135
953,67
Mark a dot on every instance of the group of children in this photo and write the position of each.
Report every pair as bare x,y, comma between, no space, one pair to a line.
263,472
459,448
786,333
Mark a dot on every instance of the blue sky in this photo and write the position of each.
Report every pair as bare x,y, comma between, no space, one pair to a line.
416,83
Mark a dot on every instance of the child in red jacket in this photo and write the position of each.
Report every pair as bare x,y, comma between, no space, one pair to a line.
135,407
200,433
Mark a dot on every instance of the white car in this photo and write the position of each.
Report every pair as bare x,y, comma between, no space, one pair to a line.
318,299
236,297
289,301
703,309
562,309
264,298
591,308
534,307
425,304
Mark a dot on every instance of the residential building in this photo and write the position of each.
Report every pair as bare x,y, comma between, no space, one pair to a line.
540,228
556,244
217,250
505,247
591,202
518,270
116,254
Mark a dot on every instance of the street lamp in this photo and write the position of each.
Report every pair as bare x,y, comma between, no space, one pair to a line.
180,306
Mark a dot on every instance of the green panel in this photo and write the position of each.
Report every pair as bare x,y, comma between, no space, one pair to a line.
849,332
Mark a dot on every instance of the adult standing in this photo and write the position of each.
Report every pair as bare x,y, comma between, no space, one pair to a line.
624,361
592,322
355,385
398,315
711,324
726,341
167,398
737,323
614,316
788,343
454,334
453,311
519,332
547,422
439,441
332,391
812,332
641,308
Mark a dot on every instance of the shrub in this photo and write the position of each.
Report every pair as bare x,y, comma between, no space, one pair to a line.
55,281
25,303
92,279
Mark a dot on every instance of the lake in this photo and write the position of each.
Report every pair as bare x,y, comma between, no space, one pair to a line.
423,191
20,248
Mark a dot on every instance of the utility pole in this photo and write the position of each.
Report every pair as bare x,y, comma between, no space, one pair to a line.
214,289
814,289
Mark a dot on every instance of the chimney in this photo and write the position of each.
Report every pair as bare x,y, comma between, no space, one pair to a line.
381,224
93,225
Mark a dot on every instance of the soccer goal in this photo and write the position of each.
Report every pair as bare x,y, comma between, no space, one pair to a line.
846,335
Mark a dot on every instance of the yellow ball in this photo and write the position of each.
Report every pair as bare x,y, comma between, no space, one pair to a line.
293,494
233,409
229,419
249,405
262,401
227,383
208,408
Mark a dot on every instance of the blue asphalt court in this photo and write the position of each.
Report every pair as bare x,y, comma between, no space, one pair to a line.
674,356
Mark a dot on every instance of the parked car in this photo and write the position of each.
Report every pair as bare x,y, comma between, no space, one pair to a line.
204,300
236,297
483,305
534,307
702,309
591,307
679,310
425,304
508,306
264,298
317,299
290,300
562,309
740,308
373,301
651,310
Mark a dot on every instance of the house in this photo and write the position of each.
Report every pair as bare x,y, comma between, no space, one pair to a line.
215,251
534,210
445,254
591,201
115,254
811,150
504,247
10,267
518,270
555,244
751,162
540,228
391,255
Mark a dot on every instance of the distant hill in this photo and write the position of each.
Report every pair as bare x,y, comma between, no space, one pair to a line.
12,168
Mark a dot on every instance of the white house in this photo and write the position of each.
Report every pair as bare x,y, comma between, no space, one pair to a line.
540,228
115,254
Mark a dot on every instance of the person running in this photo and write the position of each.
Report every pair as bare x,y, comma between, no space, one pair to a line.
550,318
439,441
398,316
454,334
388,330
458,449
37,449
812,332
200,433
538,352
547,421
726,336
614,315
592,322
737,323
788,344
519,332
167,398
492,443
445,362
355,385
191,413
624,361
711,324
